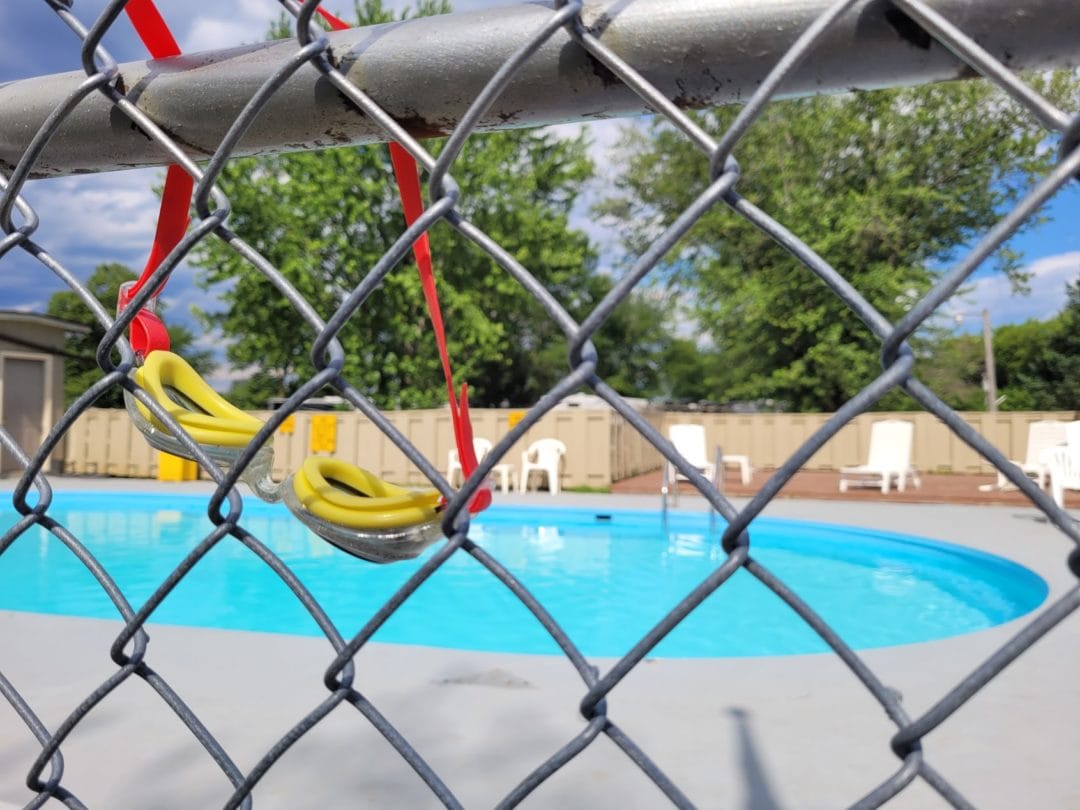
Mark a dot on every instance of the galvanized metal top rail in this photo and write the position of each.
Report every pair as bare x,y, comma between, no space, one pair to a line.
699,53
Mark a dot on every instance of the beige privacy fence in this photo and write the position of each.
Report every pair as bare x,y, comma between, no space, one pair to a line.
105,442
601,445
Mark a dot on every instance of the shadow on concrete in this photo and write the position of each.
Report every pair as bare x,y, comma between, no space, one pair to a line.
758,792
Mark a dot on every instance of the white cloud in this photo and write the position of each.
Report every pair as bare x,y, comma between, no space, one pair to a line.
603,135
115,212
88,220
212,33
183,297
221,25
1049,275
242,22
222,378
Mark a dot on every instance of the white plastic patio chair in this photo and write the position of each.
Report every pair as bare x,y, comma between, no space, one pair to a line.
544,456
889,458
689,440
1043,436
1064,464
481,447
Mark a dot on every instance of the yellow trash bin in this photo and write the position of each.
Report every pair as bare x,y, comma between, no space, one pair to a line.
174,468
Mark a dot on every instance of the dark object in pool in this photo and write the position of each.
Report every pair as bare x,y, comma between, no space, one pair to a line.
603,517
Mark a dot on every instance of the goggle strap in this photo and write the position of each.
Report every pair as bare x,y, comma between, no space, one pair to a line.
148,334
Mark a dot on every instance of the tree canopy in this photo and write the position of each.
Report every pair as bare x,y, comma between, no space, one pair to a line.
80,364
324,219
1038,362
887,186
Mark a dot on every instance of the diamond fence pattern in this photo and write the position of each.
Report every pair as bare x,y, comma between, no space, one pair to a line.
131,650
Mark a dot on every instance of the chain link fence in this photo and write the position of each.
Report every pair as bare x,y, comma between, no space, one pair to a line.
130,651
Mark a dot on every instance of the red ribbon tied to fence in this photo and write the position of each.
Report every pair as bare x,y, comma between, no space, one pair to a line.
148,333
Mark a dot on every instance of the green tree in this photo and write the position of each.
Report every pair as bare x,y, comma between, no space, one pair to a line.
324,218
954,368
1038,362
885,185
1065,345
688,371
633,341
80,365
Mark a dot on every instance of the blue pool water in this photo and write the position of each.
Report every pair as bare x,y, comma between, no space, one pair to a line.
606,581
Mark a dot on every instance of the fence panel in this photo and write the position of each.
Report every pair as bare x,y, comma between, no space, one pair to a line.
603,446
526,65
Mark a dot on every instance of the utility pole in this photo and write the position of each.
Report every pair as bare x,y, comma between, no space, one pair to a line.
991,373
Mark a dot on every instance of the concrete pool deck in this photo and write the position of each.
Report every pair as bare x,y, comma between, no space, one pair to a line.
754,733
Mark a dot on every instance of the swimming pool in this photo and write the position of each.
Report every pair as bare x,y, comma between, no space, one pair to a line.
605,578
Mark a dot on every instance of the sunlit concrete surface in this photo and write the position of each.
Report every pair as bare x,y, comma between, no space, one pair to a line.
755,734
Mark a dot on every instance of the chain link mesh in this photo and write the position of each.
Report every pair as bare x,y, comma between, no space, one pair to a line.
130,650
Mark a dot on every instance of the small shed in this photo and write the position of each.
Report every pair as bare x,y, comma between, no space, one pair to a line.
31,380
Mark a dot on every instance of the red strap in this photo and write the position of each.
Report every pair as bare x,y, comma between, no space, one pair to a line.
172,221
409,186
148,333
408,181
151,28
334,22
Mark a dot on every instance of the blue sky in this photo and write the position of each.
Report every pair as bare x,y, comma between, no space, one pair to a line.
91,219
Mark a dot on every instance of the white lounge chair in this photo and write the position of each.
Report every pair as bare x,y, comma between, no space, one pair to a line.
544,456
689,440
1064,464
889,458
481,447
1043,436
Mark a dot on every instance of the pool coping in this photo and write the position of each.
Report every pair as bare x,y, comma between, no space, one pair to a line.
796,731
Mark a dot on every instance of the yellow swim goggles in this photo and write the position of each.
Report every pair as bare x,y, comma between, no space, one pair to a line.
342,503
